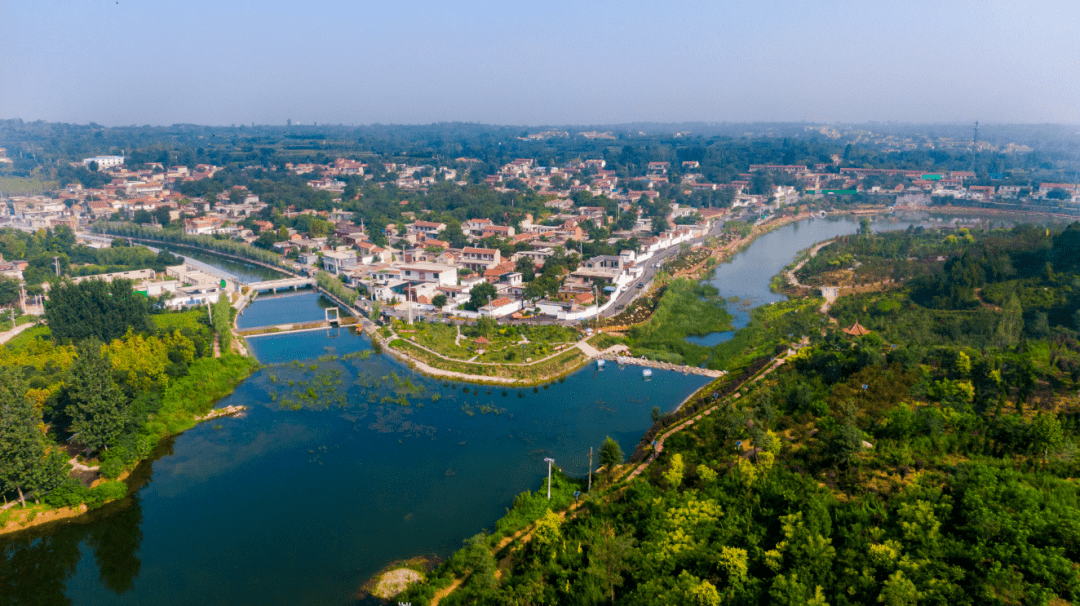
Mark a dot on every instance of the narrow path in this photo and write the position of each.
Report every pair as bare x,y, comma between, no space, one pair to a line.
704,413
11,334
587,349
813,253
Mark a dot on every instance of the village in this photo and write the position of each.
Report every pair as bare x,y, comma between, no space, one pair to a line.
418,270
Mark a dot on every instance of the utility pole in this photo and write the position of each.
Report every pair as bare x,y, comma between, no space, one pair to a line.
56,262
590,469
549,462
596,302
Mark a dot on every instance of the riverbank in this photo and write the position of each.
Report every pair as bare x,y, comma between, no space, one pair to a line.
187,402
559,364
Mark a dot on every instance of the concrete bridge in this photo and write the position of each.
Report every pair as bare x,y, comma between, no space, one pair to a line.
282,284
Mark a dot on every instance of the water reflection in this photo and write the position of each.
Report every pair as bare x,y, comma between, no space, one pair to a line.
35,566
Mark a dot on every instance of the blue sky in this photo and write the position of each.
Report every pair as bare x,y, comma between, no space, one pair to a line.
119,62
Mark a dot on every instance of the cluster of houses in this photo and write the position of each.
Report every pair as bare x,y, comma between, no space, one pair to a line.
419,266
819,180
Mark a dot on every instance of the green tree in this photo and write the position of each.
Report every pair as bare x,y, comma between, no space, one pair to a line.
22,446
1011,323
477,557
659,225
485,326
1047,436
223,322
162,215
864,227
692,591
847,441
9,290
526,268
546,535
655,414
480,295
674,474
95,404
609,555
96,309
611,454
898,591
439,300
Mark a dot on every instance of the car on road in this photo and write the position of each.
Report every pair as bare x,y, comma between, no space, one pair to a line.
640,285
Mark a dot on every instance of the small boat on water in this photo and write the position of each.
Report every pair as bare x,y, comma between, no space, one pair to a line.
600,363
646,372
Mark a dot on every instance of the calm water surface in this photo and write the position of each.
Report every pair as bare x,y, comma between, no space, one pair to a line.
747,275
285,308
328,479
244,272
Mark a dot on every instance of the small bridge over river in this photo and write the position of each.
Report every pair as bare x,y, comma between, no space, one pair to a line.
282,284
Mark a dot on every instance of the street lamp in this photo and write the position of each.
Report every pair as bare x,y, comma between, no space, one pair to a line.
549,462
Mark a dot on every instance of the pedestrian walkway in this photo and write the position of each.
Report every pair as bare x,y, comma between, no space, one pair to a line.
11,334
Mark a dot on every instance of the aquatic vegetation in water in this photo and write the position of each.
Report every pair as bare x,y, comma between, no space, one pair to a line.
484,409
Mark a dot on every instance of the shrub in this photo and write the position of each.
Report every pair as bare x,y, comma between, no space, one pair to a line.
103,493
69,494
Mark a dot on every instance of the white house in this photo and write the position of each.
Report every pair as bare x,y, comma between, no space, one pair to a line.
104,161
337,261
500,307
443,275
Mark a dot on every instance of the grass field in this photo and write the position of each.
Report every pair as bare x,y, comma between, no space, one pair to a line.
529,373
25,185
512,344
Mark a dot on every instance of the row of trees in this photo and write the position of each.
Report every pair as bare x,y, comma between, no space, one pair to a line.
99,382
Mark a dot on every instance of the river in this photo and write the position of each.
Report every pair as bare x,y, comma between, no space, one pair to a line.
359,462
744,280
325,481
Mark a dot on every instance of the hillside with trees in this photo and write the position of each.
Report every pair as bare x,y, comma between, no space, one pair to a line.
929,461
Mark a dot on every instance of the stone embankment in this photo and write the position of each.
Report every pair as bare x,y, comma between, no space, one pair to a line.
686,370
228,411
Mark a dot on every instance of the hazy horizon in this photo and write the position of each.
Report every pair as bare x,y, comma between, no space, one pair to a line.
124,62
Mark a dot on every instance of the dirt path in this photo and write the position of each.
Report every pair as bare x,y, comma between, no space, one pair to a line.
11,334
701,415
813,253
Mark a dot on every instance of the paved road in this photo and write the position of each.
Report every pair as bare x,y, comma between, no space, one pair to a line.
651,267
